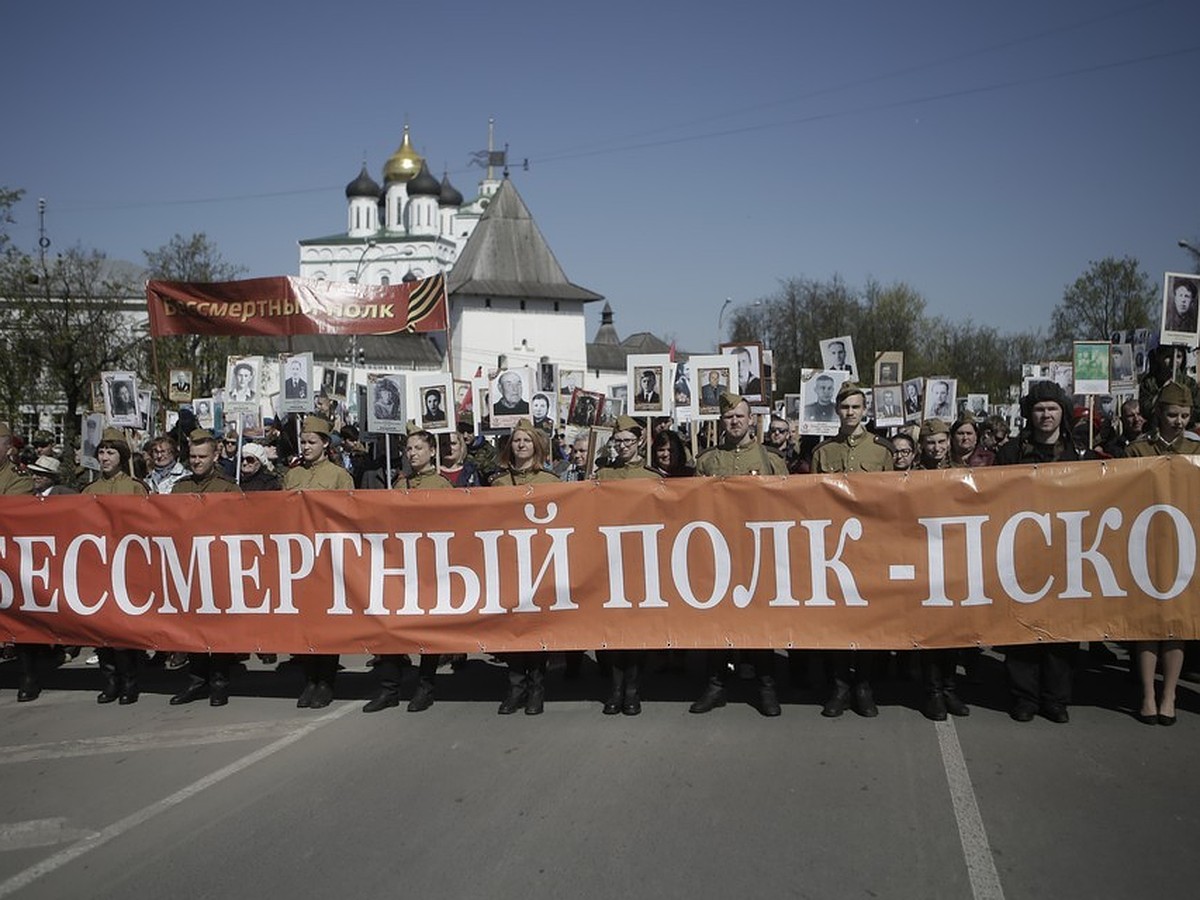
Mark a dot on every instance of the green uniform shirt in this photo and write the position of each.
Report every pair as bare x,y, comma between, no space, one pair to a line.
213,483
860,451
1151,444
13,482
745,459
117,484
635,468
426,481
510,477
320,476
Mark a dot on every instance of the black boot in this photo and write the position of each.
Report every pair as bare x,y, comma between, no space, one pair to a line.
633,701
385,699
197,690
518,687
389,669
29,689
616,692
219,693
864,700
713,697
535,700
422,699
838,700
935,707
768,703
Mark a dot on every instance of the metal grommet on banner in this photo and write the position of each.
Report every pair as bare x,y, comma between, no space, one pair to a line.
854,645
545,646
790,645
603,645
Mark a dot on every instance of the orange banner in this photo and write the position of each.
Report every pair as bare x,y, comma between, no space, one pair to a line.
288,305
1064,552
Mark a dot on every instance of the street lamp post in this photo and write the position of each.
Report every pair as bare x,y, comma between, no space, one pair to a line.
352,400
721,316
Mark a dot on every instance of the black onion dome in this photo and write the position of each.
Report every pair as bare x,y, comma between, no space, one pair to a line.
362,186
450,195
424,184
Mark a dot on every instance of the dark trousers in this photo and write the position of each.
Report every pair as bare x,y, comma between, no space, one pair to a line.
119,666
527,670
319,668
390,670
625,668
1040,674
846,667
210,668
762,660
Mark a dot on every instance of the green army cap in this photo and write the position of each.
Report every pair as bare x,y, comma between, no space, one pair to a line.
849,389
317,425
199,436
729,400
113,436
1175,394
628,423
931,427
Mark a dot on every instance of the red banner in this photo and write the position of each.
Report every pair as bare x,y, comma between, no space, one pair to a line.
1063,552
287,305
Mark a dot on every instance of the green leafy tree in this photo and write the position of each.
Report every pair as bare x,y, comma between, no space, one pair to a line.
1112,295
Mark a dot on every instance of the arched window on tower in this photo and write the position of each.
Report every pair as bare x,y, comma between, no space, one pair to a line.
384,280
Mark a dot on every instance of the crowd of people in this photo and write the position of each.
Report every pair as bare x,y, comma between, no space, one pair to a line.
311,453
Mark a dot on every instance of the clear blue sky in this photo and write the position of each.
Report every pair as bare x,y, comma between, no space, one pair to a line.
680,153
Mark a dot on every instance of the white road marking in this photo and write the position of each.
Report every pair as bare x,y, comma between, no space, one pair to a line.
100,838
38,833
184,737
981,866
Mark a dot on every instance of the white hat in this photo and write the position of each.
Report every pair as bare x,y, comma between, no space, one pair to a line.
45,465
258,451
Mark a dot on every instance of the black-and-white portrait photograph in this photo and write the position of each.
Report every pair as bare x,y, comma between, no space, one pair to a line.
547,377
242,380
1179,323
711,376
341,384
913,394
682,387
93,428
792,406
121,399
649,384
748,359
510,393
385,399
543,410
328,376
97,386
1062,374
585,409
432,394
1121,364
941,397
837,355
204,412
820,387
179,387
147,409
569,381
295,379
889,367
889,406
977,405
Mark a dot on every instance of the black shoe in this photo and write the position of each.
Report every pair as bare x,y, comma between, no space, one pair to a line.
28,690
864,701
110,693
514,701
422,699
1147,718
1056,713
935,707
197,691
1023,712
128,696
219,695
385,700
633,704
535,703
306,695
1166,721
768,702
837,703
322,695
612,706
954,704
713,697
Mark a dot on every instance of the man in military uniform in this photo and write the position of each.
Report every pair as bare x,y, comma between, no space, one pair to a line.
739,454
317,473
852,449
933,445
12,480
1132,426
208,672
1167,363
119,666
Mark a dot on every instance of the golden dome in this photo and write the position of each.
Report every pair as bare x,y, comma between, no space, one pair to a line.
404,164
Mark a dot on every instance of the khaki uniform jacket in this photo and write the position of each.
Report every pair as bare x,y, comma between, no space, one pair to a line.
213,483
635,468
1151,444
320,476
117,484
425,481
511,477
860,451
746,459
13,482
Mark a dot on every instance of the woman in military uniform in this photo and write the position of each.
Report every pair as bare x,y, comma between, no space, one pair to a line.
522,462
120,666
421,453
317,473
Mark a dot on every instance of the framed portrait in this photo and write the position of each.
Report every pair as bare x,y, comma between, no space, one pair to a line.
479,406
204,407
1062,374
682,390
547,377
599,439
586,408
650,382
768,374
889,367
614,407
792,406
711,376
247,422
837,355
1121,370
509,394
748,369
1091,367
889,405
296,394
341,384
97,386
913,393
1179,325
433,407
385,403
978,405
242,382
146,409
121,399
941,394
328,377
569,381
818,389
89,440
179,386
543,410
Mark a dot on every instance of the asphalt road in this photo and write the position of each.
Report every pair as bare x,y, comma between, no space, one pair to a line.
260,799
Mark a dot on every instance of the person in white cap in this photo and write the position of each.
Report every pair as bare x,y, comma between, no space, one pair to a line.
46,473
